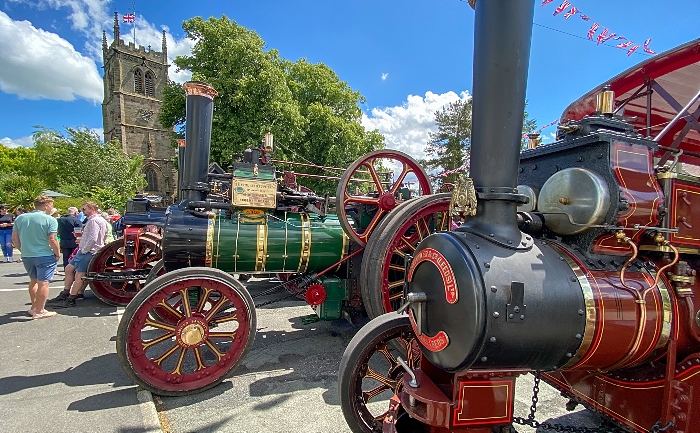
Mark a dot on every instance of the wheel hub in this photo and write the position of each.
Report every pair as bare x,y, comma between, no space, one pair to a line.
192,332
387,202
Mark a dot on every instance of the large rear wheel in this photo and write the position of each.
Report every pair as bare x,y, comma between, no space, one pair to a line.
368,190
115,284
381,280
212,330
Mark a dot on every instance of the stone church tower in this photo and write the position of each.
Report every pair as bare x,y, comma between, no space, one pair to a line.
134,79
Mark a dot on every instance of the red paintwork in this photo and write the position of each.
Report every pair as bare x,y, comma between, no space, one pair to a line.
676,72
448,276
634,171
436,343
685,197
131,233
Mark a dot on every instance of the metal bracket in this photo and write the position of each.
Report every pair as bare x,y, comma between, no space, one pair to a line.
516,307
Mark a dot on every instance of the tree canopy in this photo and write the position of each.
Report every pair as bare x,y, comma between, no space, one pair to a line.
449,148
314,116
77,164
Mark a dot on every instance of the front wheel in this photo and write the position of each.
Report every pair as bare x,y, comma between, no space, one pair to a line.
370,374
213,328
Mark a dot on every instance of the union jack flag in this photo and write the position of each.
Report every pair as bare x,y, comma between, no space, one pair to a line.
633,49
624,44
546,2
592,30
571,13
561,8
604,36
585,17
646,47
128,18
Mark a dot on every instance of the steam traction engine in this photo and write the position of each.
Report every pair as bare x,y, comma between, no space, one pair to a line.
187,329
579,266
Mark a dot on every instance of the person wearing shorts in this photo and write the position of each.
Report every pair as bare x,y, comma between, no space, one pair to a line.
34,234
93,238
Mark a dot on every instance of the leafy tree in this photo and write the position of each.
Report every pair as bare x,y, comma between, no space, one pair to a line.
17,190
77,162
449,148
314,116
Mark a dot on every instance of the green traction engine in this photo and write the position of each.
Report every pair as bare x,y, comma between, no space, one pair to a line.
187,329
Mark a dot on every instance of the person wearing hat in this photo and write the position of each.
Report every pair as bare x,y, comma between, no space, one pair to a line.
7,221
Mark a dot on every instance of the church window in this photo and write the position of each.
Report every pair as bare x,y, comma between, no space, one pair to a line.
138,81
151,180
149,84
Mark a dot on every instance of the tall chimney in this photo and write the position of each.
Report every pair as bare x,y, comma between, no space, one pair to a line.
198,122
502,35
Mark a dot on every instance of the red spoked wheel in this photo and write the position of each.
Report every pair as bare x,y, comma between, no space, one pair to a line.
370,374
363,198
382,276
109,262
214,330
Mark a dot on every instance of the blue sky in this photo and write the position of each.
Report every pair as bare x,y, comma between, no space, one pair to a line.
407,57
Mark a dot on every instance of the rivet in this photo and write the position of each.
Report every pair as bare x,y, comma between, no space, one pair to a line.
578,336
522,317
528,238
573,279
492,339
484,359
491,234
487,265
477,246
510,242
516,309
494,289
561,259
569,355
580,312
496,314
510,316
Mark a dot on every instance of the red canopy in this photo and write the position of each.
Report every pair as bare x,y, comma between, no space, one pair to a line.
651,94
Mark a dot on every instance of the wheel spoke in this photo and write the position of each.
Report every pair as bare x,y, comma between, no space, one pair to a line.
218,305
213,348
162,338
230,335
159,325
405,169
186,309
367,396
375,176
198,358
228,318
372,374
203,299
180,359
375,220
167,354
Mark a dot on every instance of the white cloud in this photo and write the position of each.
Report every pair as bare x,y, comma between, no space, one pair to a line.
406,127
28,66
17,142
385,75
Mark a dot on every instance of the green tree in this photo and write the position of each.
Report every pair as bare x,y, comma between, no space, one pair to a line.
449,148
19,191
314,116
78,162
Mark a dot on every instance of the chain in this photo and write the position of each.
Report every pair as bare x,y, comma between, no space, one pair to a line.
656,428
532,422
301,281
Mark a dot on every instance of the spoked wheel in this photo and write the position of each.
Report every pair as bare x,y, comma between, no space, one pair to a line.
363,198
370,374
161,313
110,261
382,276
215,328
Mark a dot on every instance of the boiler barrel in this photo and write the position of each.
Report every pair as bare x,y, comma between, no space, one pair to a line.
250,243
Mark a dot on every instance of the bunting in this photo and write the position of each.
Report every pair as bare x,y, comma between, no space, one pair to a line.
605,35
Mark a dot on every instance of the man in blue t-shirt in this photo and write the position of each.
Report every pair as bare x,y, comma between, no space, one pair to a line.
34,234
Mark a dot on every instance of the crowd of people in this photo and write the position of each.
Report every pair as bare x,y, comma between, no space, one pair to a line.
43,237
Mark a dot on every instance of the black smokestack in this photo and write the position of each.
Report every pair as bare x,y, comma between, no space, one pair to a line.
502,35
198,121
180,166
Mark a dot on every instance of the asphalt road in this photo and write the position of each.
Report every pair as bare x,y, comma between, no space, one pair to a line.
61,374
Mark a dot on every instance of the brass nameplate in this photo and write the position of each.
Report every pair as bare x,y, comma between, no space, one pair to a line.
254,193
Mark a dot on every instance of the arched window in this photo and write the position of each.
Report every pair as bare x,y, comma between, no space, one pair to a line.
151,180
138,81
149,84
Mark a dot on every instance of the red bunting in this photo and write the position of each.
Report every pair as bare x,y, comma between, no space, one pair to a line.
603,36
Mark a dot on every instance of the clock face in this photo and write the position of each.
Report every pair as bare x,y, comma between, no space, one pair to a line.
145,114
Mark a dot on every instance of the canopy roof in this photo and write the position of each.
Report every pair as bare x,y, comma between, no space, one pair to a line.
651,95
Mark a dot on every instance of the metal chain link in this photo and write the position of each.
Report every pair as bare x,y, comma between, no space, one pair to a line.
532,422
302,281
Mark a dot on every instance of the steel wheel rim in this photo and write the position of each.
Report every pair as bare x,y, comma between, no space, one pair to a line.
110,259
385,201
198,361
405,240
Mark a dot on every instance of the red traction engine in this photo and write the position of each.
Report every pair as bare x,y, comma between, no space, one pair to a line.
579,266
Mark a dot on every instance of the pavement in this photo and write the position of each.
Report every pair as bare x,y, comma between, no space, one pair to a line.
61,374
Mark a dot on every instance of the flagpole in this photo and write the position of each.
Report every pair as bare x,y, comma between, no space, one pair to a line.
133,9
